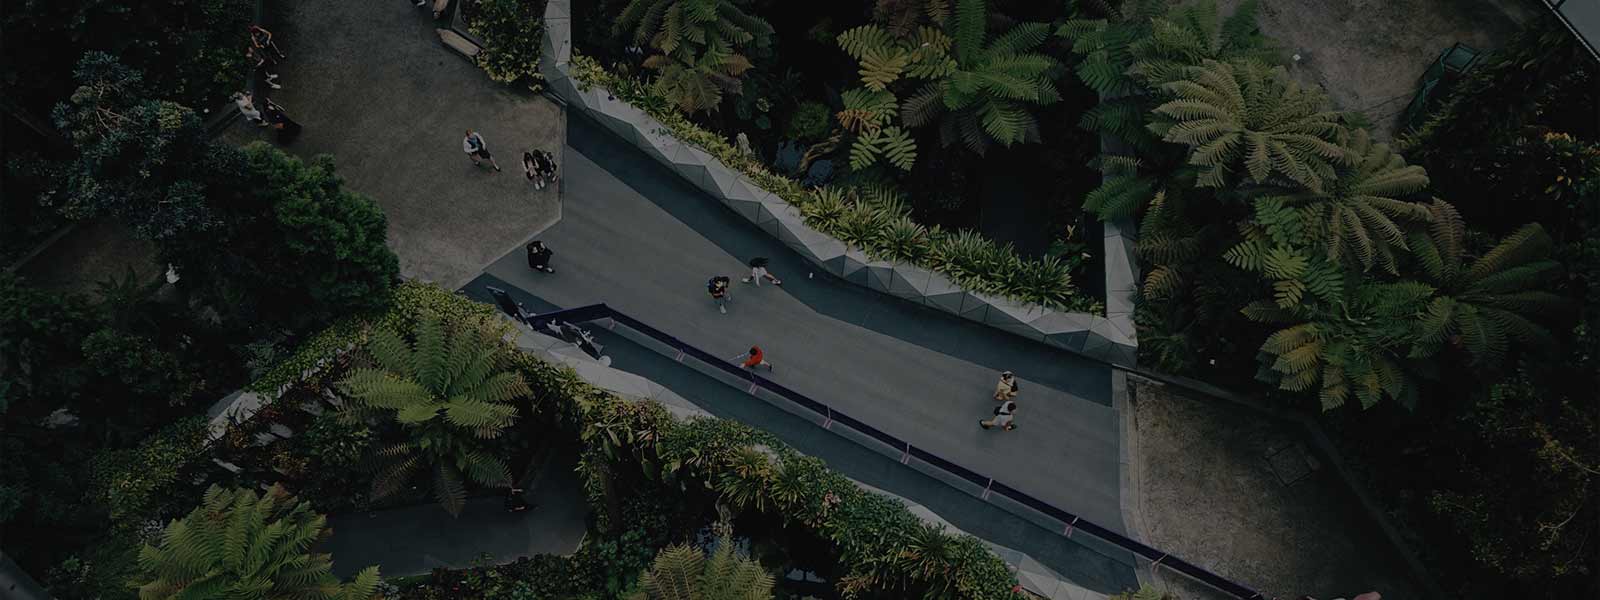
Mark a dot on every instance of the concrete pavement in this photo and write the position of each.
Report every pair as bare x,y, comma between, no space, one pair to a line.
373,87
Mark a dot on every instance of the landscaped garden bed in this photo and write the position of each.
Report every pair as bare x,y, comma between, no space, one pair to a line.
510,33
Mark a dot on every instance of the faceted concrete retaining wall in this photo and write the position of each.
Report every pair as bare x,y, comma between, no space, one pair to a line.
1110,338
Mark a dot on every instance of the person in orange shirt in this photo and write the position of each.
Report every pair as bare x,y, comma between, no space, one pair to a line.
754,358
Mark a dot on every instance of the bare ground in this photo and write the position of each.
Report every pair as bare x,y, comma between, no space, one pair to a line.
1207,492
1369,54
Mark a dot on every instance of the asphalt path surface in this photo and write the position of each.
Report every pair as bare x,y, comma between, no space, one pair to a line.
637,237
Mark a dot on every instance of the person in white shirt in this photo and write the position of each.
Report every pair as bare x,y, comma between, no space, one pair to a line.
475,148
247,107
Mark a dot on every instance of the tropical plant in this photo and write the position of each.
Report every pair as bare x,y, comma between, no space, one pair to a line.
1484,305
1354,346
988,96
447,392
1246,118
902,17
240,545
696,84
1359,214
684,572
699,43
885,57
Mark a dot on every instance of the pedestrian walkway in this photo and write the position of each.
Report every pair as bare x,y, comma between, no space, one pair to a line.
638,238
374,88
1087,562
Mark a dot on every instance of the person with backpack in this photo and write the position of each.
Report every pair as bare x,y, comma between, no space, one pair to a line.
1003,415
1007,388
476,148
539,257
758,270
718,288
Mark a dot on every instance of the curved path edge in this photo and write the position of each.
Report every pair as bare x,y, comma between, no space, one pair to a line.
1109,338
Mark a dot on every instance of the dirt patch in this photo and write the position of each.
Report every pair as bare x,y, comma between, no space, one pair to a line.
1369,54
1212,489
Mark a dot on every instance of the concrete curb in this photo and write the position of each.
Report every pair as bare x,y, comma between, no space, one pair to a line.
1109,338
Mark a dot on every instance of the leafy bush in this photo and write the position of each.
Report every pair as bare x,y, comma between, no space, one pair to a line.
811,121
292,249
830,211
868,530
512,32
138,484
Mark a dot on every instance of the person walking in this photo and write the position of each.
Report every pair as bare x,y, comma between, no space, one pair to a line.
275,115
530,167
247,107
1003,415
718,288
539,257
476,148
261,39
1007,388
754,358
265,65
758,270
545,166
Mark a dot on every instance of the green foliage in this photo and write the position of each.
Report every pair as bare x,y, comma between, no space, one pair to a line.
699,44
682,572
512,31
193,51
136,484
1244,118
809,122
1495,299
890,143
138,159
988,96
827,209
885,57
1360,215
885,547
293,250
240,545
446,390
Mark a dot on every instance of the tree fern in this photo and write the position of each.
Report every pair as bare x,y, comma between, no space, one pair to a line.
1498,298
683,572
1359,217
890,143
462,399
699,46
240,545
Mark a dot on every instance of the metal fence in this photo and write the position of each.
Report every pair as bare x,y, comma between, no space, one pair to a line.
826,417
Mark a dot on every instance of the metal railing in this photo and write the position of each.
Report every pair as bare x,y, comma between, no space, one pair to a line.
830,417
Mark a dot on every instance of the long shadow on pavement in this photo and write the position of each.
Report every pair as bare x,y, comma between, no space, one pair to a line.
1096,566
902,319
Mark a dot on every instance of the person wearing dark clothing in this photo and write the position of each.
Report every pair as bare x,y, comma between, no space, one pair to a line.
261,39
275,115
476,148
539,257
758,271
1002,417
718,288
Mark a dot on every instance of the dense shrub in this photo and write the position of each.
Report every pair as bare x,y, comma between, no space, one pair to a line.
810,121
512,32
293,249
